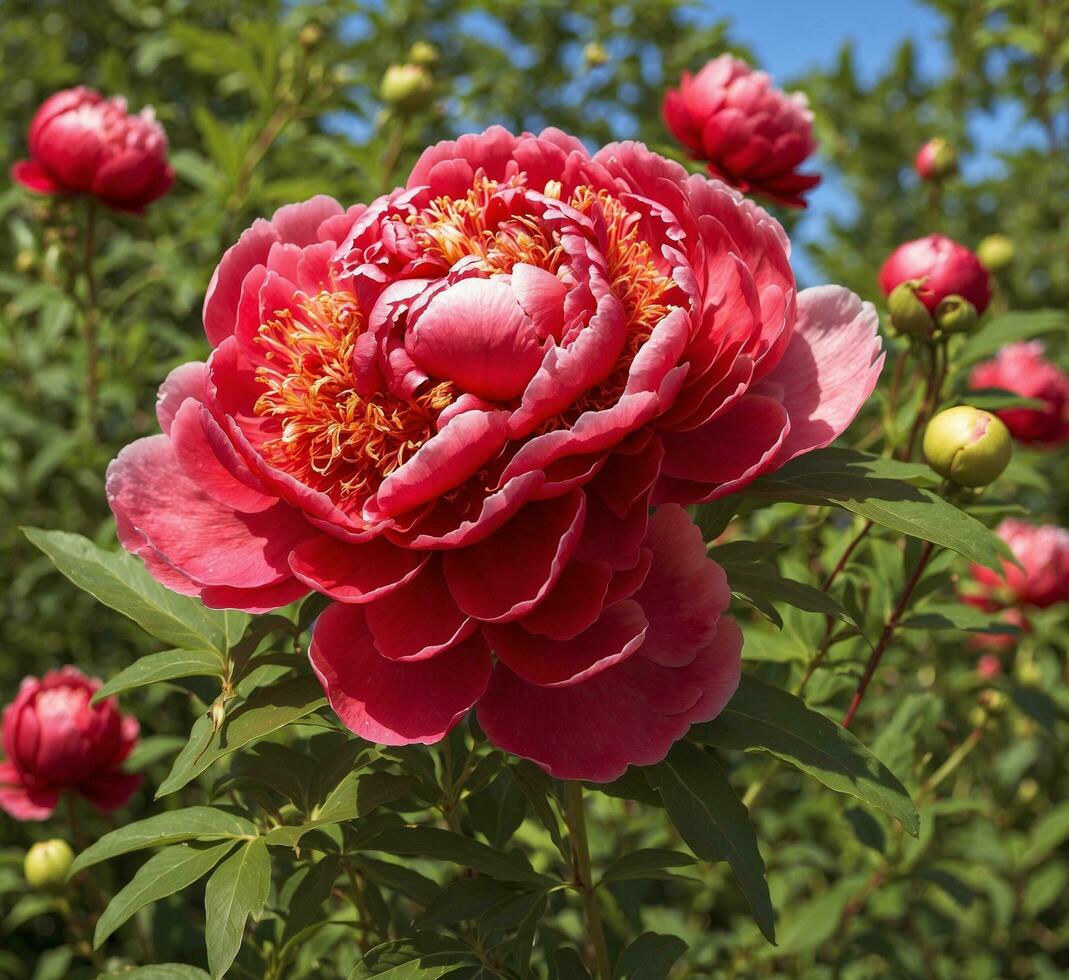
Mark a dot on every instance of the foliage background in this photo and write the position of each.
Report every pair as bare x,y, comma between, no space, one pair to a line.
261,110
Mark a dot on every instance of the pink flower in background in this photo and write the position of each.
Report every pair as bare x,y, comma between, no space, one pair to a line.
750,133
988,667
55,740
451,411
1043,551
1022,369
945,267
82,143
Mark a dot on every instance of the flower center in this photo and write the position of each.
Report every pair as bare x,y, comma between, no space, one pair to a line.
331,437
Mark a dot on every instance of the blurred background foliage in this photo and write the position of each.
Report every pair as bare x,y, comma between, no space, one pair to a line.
268,102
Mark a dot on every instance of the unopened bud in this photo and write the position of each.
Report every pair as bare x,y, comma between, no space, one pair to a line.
47,863
996,252
908,313
24,261
406,87
310,35
968,446
594,55
936,160
993,702
955,314
423,53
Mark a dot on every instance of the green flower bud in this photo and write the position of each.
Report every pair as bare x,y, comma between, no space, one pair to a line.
908,313
406,88
996,252
955,314
423,53
47,863
968,446
594,55
310,35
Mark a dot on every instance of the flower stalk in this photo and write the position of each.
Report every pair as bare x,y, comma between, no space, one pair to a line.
575,817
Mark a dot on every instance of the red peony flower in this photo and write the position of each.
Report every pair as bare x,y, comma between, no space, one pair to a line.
946,268
82,143
1043,550
55,740
1022,369
450,411
749,133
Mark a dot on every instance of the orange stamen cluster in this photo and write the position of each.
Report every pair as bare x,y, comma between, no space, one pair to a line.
332,438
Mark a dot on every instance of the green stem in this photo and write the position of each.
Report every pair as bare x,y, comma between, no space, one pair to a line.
575,817
89,320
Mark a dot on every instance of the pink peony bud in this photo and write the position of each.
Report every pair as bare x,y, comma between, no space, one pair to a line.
750,133
1022,369
989,666
82,143
946,268
55,740
936,160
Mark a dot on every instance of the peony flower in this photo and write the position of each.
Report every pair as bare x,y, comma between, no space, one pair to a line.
1043,551
945,269
451,410
750,133
55,740
82,143
1022,369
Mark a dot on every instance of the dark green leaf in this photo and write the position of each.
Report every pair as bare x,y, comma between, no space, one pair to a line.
162,971
468,898
760,580
767,718
714,823
311,893
193,823
649,957
120,581
1008,327
957,617
166,666
568,965
421,957
237,889
649,862
163,874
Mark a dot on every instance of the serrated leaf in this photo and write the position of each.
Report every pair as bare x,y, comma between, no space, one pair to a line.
766,718
163,874
237,889
713,822
120,582
266,711
650,862
166,666
649,957
444,845
876,488
192,823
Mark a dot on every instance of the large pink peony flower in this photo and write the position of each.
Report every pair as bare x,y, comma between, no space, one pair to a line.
1022,369
450,411
1043,550
55,740
82,143
748,132
945,268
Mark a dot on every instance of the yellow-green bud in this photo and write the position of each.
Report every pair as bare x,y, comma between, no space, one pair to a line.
955,314
908,313
968,446
594,55
996,252
47,863
310,35
423,53
406,87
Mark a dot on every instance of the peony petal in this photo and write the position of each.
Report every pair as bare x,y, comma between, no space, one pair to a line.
354,572
387,701
575,602
185,381
22,801
110,791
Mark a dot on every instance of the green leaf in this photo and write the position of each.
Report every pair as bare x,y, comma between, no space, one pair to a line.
421,957
237,889
766,718
163,874
193,823
444,845
651,862
957,617
266,711
120,581
311,893
1048,833
1008,327
161,971
468,898
993,399
166,666
763,581
649,957
569,965
876,488
714,823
